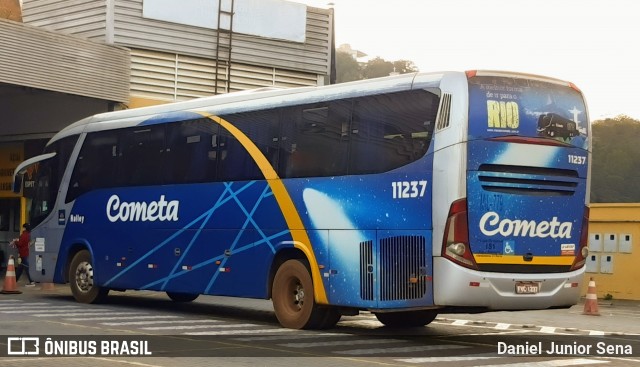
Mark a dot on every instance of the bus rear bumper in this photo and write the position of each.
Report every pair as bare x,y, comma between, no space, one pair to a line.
456,286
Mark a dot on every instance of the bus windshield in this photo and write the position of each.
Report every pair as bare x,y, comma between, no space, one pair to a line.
501,106
48,175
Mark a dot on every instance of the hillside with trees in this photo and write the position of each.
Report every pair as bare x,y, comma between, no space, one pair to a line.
348,69
615,175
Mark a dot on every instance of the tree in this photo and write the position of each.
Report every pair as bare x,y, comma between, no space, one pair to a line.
405,66
348,69
376,68
616,168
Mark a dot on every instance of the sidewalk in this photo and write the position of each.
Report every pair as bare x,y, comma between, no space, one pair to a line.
616,316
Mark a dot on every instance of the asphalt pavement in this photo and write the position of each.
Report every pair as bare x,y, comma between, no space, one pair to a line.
615,316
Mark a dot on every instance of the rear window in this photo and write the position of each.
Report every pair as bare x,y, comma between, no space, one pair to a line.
500,106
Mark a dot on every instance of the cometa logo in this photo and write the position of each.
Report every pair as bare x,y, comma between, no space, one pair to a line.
491,225
161,210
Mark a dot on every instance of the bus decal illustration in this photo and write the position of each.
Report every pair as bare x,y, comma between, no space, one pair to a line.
248,221
199,223
227,196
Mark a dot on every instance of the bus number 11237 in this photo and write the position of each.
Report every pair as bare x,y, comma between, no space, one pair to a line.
408,189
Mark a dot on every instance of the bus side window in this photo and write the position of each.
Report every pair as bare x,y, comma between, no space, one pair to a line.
391,130
96,166
191,155
263,129
142,159
314,140
288,146
368,149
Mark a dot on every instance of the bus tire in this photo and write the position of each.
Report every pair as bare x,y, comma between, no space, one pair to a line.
293,299
83,288
182,297
407,318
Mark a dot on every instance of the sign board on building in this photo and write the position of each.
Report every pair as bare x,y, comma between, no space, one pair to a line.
264,18
11,155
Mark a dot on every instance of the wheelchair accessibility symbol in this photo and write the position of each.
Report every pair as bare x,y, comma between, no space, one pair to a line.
509,248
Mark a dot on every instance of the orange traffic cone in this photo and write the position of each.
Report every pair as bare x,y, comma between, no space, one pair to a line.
591,300
10,286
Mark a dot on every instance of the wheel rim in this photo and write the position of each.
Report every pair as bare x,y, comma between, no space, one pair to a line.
84,277
298,296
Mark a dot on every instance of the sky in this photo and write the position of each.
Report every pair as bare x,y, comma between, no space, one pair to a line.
593,44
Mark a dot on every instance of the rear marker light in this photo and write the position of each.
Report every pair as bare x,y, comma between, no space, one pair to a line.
582,255
457,248
585,252
474,284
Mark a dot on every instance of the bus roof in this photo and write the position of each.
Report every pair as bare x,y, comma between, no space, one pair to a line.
263,98
266,98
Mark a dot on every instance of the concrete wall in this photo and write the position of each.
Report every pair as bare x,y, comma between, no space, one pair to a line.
614,250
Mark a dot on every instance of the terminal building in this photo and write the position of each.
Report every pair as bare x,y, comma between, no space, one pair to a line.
61,62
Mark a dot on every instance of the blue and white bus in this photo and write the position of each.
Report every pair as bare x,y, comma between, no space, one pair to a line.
407,196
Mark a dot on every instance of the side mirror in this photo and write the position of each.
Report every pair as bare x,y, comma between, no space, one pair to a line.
17,183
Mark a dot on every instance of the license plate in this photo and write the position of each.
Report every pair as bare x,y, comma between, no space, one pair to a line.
527,287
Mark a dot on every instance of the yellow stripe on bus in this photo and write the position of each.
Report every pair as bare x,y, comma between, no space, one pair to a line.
519,260
298,232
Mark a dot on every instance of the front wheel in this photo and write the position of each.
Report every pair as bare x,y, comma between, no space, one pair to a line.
83,288
293,299
407,318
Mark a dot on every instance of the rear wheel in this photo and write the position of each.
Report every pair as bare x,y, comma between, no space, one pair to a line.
407,318
293,299
83,288
182,297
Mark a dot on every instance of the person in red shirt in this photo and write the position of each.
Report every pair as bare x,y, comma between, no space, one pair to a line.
22,244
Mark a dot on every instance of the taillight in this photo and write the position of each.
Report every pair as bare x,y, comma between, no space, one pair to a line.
455,244
583,250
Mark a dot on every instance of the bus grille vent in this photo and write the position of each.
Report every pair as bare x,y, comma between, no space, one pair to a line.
445,112
366,270
402,268
532,181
